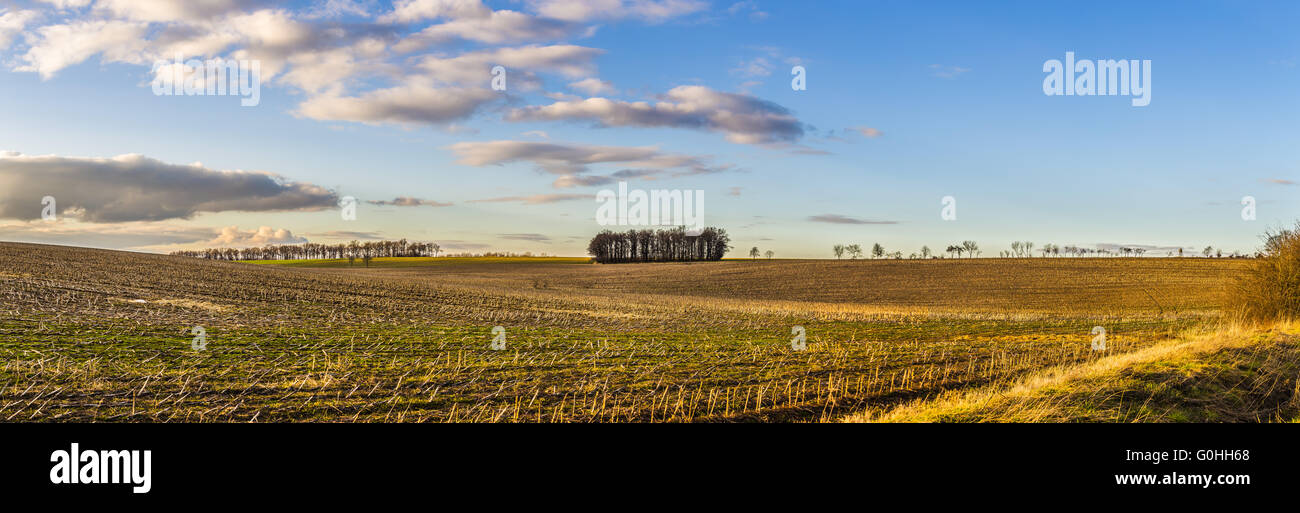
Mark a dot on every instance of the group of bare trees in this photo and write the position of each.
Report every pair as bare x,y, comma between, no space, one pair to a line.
854,251
1019,249
670,245
967,247
310,251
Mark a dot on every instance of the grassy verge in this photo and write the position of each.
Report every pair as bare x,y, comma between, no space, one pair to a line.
1232,374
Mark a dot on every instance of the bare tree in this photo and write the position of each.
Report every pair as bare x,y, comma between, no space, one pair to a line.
877,250
769,254
838,249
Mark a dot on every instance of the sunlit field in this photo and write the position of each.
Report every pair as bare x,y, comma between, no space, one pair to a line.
91,335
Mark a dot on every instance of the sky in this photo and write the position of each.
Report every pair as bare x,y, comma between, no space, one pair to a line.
394,104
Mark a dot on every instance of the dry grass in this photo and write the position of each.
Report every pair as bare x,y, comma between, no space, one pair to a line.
1229,374
90,335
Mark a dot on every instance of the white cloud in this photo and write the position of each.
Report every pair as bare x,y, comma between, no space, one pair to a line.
594,86
173,10
654,11
743,118
404,105
233,237
12,24
58,46
500,27
475,67
573,161
407,11
67,4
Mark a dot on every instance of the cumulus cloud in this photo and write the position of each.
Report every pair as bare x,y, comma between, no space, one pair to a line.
407,201
174,10
233,237
499,27
67,4
59,46
408,11
536,199
839,219
654,11
138,188
743,118
12,24
475,67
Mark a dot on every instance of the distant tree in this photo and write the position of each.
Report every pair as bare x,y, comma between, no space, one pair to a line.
367,258
1219,254
925,251
838,249
1207,251
971,247
769,254
1180,252
854,250
877,250
352,260
753,253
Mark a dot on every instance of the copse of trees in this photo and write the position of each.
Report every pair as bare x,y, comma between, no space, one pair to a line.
312,251
670,245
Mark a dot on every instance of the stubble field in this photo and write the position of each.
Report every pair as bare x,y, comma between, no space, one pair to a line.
91,335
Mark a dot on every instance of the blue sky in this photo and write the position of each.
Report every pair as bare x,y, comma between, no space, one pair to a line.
951,92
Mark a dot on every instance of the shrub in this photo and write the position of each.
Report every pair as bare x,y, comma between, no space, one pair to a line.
1270,290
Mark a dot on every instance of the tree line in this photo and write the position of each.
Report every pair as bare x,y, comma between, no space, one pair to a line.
1019,249
667,245
312,251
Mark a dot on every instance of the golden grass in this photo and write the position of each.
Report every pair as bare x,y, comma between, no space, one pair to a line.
1240,373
